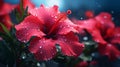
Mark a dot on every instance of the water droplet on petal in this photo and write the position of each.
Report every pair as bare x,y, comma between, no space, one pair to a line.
55,17
105,17
40,47
85,38
24,41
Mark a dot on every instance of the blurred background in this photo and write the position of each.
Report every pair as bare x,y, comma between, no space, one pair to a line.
79,7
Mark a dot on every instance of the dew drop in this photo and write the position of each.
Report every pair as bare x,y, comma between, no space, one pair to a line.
38,64
23,57
40,47
69,12
93,54
44,41
24,41
85,38
105,17
81,18
55,17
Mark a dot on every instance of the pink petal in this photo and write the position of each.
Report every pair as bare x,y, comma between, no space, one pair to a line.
43,49
67,26
6,8
92,26
70,45
30,26
116,36
105,20
111,51
48,15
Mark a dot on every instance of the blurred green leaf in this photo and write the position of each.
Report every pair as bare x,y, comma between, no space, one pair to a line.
5,29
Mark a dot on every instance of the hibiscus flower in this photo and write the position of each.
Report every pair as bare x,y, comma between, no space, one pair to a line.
103,31
50,27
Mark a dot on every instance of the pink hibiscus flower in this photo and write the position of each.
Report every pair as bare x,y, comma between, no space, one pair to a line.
50,27
103,31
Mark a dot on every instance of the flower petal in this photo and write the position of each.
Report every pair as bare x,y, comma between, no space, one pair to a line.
70,45
48,15
30,26
91,25
109,50
116,36
67,26
6,8
105,20
43,49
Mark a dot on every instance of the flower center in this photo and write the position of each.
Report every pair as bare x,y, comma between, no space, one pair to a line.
54,29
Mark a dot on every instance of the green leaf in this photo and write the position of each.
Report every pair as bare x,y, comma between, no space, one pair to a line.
5,29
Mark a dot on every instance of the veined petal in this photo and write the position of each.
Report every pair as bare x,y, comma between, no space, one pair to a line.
48,15
92,26
110,51
105,20
66,27
43,49
70,44
30,26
